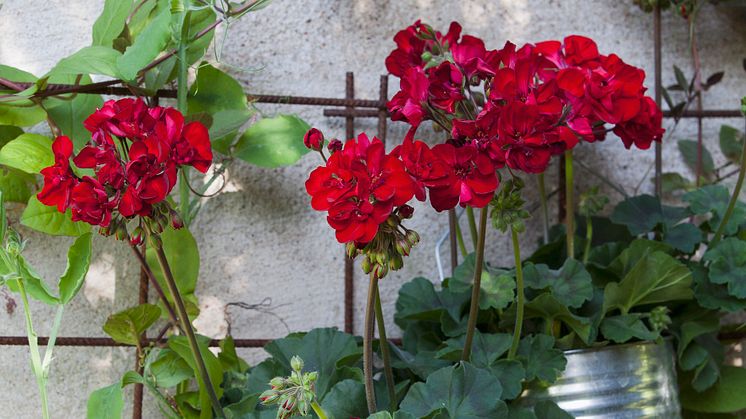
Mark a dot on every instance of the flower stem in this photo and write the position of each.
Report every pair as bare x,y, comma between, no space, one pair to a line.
588,238
47,362
460,238
186,325
318,410
156,285
370,394
384,343
569,205
544,206
733,200
472,226
474,307
520,298
36,363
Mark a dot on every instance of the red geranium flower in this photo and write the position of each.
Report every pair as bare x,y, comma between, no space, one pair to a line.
59,180
644,128
472,178
407,104
90,202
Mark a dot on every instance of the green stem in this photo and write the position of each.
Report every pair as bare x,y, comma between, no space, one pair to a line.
318,410
474,307
588,238
460,238
569,205
52,339
472,226
36,364
520,298
544,206
186,325
384,343
733,200
370,394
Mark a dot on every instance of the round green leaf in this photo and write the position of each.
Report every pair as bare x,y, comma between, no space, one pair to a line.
106,403
127,326
48,220
273,142
28,153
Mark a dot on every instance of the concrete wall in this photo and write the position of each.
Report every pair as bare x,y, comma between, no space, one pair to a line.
260,239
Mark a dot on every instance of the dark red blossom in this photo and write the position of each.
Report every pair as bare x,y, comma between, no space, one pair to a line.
314,139
90,202
407,104
359,187
471,178
644,128
59,180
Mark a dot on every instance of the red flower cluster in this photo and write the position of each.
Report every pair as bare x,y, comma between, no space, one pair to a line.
134,154
359,186
535,101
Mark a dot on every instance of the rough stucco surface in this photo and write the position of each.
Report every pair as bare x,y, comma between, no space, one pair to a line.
260,239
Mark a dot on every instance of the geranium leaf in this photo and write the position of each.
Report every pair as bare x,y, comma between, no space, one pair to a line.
622,328
170,369
640,213
346,400
713,296
731,143
106,403
16,185
486,348
714,199
540,358
728,265
510,374
110,23
69,114
29,153
549,308
726,396
655,278
570,285
78,261
40,217
688,149
273,142
684,237
146,47
462,391
89,60
127,325
219,95
322,350
182,255
180,345
497,286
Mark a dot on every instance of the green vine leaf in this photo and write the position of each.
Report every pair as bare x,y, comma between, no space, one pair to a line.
110,23
89,60
688,149
106,403
127,325
29,153
731,143
182,255
148,44
45,219
78,261
273,142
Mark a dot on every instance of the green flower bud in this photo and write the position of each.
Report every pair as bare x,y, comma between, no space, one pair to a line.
296,363
426,56
277,383
396,262
312,376
412,237
379,271
351,250
366,265
402,247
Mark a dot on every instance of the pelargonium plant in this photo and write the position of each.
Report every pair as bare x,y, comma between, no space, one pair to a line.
120,182
503,111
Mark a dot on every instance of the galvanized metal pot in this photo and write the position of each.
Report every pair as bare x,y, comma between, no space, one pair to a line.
622,381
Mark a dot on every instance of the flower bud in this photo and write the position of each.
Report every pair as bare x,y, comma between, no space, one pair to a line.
405,211
136,238
426,56
269,397
277,383
381,258
351,250
379,271
314,139
334,146
176,221
296,363
366,265
396,263
412,237
402,247
312,376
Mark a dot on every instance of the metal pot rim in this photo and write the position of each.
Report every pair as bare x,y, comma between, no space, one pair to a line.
666,340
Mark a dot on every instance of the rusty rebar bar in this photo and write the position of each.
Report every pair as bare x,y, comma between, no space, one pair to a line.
383,95
349,269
